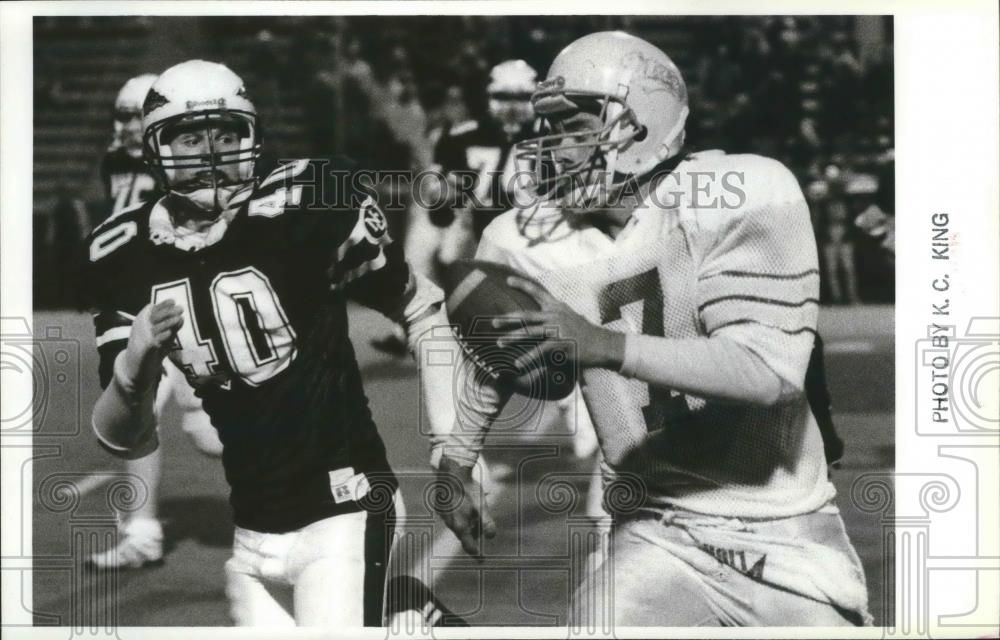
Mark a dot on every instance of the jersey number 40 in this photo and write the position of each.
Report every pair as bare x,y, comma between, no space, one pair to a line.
254,329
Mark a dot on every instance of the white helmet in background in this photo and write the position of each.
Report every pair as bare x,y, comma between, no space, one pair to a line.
199,92
127,117
509,94
637,92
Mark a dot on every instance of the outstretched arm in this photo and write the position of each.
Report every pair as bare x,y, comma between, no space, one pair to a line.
123,419
459,412
455,453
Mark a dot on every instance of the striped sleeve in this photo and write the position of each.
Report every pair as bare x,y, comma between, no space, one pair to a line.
106,289
111,331
759,284
369,266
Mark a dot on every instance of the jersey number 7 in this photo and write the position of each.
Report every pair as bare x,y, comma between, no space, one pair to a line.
253,327
664,404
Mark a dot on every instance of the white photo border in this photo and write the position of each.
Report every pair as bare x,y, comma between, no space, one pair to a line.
944,507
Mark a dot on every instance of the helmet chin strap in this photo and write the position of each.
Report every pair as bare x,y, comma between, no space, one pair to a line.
210,199
669,140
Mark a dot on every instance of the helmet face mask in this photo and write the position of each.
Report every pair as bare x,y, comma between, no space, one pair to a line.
235,163
640,101
202,98
574,165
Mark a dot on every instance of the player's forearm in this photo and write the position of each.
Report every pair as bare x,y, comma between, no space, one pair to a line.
459,409
715,368
436,353
478,403
123,418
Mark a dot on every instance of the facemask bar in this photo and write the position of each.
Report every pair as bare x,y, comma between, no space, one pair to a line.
604,145
164,163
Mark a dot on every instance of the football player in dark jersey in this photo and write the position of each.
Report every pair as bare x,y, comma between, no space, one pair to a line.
127,182
124,176
478,154
242,283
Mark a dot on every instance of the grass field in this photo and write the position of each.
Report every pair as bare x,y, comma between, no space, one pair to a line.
525,579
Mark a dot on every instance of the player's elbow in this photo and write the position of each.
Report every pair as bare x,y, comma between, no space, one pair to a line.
776,391
130,449
760,384
763,396
771,390
122,431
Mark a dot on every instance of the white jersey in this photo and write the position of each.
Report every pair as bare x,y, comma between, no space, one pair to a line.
724,247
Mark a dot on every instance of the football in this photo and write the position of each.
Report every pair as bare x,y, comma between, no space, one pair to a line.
477,291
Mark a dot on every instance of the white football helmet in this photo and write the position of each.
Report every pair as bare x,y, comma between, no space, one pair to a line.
509,93
642,102
128,110
196,92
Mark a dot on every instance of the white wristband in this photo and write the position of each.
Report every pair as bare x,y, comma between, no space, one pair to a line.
465,458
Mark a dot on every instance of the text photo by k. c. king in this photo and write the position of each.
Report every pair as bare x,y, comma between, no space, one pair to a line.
419,321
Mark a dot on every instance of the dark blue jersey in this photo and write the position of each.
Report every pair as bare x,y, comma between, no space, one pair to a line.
480,158
265,339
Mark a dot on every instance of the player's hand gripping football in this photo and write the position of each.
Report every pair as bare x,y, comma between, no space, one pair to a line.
595,345
153,332
461,503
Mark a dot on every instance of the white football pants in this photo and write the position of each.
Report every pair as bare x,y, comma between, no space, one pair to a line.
330,573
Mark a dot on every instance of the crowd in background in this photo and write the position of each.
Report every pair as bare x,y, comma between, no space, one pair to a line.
815,93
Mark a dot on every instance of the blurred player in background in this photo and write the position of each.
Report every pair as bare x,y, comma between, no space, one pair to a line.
128,183
877,219
242,283
689,283
124,176
476,176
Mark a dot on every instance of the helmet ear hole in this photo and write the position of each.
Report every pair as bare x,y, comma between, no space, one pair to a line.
641,134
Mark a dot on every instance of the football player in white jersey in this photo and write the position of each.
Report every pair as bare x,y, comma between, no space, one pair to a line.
127,182
689,283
